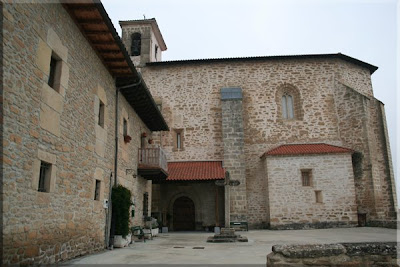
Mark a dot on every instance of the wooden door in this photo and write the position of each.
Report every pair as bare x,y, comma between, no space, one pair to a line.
183,214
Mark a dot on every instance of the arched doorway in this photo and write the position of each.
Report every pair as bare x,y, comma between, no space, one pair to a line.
183,214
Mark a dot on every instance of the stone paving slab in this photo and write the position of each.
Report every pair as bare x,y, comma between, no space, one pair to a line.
191,247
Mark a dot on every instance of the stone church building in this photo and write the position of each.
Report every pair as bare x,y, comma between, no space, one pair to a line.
302,135
278,142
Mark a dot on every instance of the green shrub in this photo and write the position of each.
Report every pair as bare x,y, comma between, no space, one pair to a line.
121,203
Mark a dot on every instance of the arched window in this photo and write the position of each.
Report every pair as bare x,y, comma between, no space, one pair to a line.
136,44
288,103
287,106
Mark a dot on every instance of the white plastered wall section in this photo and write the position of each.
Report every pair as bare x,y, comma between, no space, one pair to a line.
292,203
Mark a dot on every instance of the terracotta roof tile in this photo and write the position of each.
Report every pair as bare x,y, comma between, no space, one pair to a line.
195,170
299,149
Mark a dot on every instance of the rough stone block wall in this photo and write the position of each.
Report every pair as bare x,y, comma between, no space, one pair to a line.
294,206
66,222
362,125
234,158
145,53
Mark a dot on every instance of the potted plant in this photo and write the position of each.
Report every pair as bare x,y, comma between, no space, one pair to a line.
144,134
121,203
127,138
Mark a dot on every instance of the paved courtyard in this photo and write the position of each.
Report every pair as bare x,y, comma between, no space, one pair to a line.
192,248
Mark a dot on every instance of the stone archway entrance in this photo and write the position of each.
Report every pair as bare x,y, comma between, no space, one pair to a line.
183,214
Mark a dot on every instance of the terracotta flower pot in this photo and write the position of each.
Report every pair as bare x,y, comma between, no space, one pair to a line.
127,138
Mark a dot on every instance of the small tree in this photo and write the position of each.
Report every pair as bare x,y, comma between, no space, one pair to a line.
121,202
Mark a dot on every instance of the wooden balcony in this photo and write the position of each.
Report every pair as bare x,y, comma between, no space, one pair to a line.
152,164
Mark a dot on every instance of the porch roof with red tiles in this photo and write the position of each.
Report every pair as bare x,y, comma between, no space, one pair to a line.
195,171
302,149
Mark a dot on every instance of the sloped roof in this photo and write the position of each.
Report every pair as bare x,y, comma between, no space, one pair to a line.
301,149
341,56
195,171
95,24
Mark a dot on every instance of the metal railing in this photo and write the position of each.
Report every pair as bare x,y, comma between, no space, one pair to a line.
152,158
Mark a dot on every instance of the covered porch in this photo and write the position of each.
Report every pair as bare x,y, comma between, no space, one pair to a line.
190,199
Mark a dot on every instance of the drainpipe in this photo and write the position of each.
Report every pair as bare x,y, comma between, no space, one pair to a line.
111,237
116,137
116,125
108,217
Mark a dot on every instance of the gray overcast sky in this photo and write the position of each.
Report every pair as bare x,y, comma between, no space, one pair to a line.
364,29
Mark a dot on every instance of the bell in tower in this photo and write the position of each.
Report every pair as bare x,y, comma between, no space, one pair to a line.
143,40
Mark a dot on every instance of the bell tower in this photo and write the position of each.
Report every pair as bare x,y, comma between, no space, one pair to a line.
143,41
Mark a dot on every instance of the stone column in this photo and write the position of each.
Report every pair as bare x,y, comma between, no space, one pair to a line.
234,160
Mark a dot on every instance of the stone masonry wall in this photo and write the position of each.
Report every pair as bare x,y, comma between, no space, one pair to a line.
146,41
362,127
190,92
234,163
293,205
59,127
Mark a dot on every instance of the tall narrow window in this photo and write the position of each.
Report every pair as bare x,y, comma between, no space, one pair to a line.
146,204
143,142
97,190
101,114
178,141
318,196
55,69
287,107
155,51
44,177
125,127
306,177
136,44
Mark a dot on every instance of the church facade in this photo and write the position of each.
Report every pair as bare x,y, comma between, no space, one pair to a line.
303,138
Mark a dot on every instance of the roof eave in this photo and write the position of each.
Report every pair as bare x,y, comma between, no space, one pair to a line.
341,56
156,122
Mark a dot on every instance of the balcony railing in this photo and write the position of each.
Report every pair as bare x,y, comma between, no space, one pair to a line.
152,163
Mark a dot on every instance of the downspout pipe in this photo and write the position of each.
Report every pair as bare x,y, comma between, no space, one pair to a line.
116,125
111,238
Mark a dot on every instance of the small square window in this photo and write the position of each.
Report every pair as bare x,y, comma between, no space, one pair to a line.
44,177
55,72
306,178
101,114
318,196
97,190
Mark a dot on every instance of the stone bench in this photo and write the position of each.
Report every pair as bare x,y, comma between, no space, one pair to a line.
341,254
